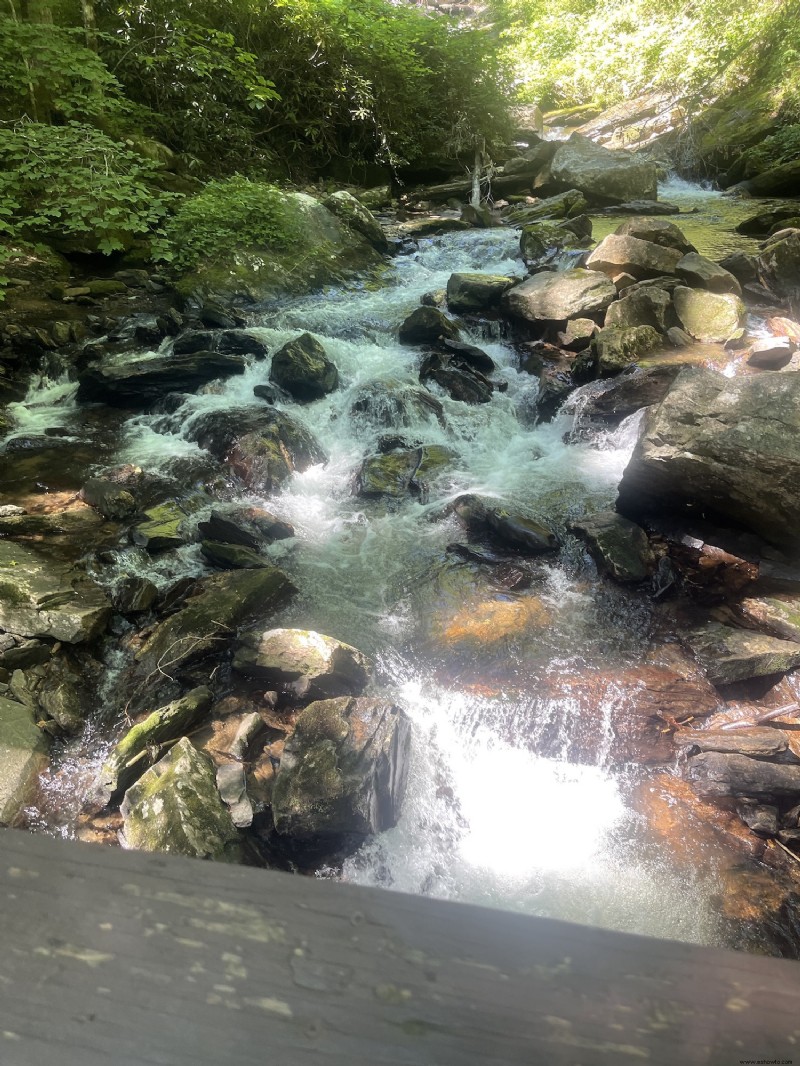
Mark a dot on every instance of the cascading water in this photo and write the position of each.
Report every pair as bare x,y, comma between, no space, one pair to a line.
498,811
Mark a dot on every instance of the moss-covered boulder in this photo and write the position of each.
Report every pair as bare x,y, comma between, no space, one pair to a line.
143,743
475,292
168,525
708,316
232,556
426,325
506,529
23,755
175,807
727,654
311,663
615,349
396,473
648,306
343,773
302,368
358,217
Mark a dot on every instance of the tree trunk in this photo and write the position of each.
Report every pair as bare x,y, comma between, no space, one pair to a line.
89,24
475,198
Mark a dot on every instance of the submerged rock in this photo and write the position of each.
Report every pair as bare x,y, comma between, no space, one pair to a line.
303,369
23,756
139,383
426,325
313,664
175,807
343,773
401,471
390,405
724,447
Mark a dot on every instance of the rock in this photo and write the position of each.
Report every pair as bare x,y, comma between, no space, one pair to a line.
252,527
175,807
23,756
168,525
61,690
303,369
779,264
134,595
612,177
569,204
657,231
743,267
629,255
679,338
619,547
401,471
311,663
425,325
717,774
226,341
758,742
390,405
209,618
475,292
508,530
144,743
139,383
778,615
702,273
577,334
266,392
727,654
762,818
783,180
110,499
48,600
761,224
358,217
343,773
558,297
214,314
722,446
615,349
643,307
771,354
459,380
630,391
468,356
23,656
232,556
232,786
784,327
555,385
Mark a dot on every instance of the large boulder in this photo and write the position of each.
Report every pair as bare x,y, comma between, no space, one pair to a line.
728,655
175,807
302,368
649,306
615,349
343,773
41,597
629,392
611,177
141,382
358,217
709,316
23,755
311,663
724,447
629,255
476,292
395,473
426,325
560,296
657,231
702,273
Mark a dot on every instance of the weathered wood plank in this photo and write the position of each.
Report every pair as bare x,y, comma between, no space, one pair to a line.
114,958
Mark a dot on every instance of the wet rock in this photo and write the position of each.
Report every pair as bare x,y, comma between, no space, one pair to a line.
175,807
558,297
303,369
743,267
577,334
426,325
168,525
475,292
134,595
702,273
679,338
657,231
311,663
615,349
458,379
762,818
390,405
717,774
358,217
232,786
266,392
469,356
208,620
343,773
630,391
760,225
145,742
612,177
724,447
46,599
398,472
252,527
225,341
23,756
642,259
644,307
483,519
555,385
232,556
727,654
61,690
772,354
779,264
618,546
141,382
109,498
758,742
216,316
564,205
778,615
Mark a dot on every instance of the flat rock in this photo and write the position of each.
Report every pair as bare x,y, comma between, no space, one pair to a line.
560,296
718,774
757,741
642,259
728,654
312,663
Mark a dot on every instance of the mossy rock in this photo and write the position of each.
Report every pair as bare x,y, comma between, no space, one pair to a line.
23,755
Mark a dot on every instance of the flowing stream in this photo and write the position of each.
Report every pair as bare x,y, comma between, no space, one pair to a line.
498,810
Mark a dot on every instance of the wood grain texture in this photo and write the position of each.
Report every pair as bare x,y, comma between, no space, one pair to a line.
114,958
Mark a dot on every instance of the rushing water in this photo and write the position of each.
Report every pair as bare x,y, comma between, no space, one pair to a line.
493,814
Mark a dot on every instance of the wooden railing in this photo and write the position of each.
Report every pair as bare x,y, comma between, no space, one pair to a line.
112,958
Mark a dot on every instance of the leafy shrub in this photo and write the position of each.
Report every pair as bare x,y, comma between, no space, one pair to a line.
227,214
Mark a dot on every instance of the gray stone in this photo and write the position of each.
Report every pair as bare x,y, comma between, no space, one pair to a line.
724,447
727,654
709,316
343,772
475,292
657,231
175,807
23,756
560,296
629,255
644,307
703,273
313,664
426,325
303,369
614,177
358,217
717,774
619,547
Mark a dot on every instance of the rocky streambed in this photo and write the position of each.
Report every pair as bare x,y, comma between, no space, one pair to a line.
478,581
